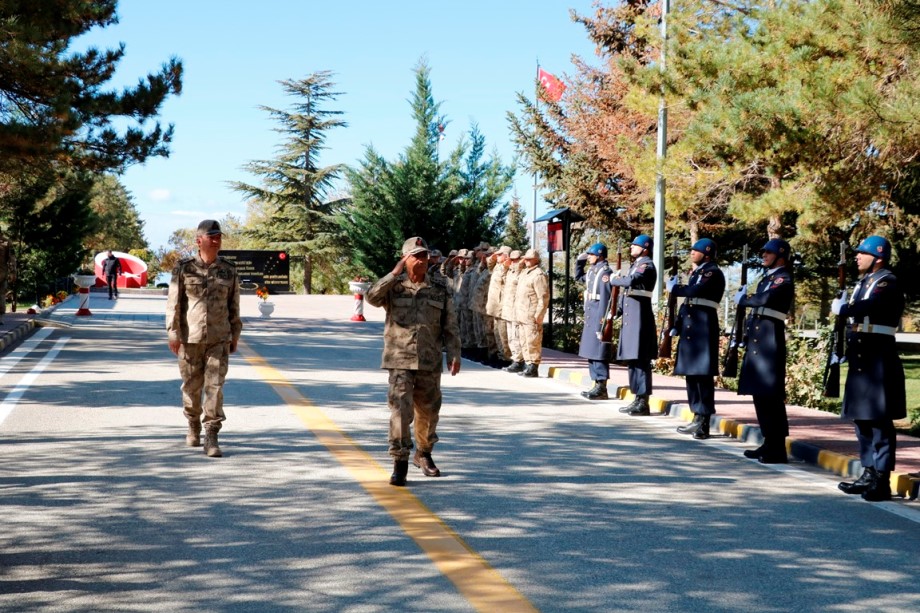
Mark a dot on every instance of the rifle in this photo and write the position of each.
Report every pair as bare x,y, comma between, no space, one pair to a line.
606,331
730,363
836,349
664,339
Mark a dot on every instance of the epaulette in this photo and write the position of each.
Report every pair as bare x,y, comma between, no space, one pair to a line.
439,280
186,260
226,261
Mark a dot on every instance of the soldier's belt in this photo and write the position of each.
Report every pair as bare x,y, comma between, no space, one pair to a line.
592,296
868,328
712,304
638,293
765,312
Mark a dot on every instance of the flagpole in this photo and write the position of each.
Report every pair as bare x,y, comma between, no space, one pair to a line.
533,222
662,149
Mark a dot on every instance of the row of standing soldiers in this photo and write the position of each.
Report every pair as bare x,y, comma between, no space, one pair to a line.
501,297
874,394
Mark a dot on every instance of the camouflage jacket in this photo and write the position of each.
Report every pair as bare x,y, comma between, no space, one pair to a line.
420,322
204,302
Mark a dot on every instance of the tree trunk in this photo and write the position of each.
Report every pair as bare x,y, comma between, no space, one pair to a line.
307,274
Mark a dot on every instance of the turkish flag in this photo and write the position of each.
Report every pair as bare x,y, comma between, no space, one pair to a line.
553,87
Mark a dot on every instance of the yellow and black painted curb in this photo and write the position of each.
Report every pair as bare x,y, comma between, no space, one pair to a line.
904,484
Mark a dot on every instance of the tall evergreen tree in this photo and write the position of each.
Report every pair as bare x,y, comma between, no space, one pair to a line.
295,187
453,202
515,235
116,224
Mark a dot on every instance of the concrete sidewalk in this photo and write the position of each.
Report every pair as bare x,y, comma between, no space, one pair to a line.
816,437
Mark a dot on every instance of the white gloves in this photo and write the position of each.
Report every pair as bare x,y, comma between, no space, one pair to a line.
836,305
582,257
671,283
741,294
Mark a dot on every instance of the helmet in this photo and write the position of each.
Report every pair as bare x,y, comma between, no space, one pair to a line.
779,247
598,249
877,246
643,240
706,246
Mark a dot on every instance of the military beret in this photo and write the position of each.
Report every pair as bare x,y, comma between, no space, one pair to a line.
209,227
414,245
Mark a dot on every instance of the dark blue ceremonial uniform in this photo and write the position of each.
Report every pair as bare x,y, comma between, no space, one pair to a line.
597,297
638,344
763,370
874,393
697,325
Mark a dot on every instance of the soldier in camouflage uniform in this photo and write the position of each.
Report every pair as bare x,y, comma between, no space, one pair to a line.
420,323
204,325
468,330
531,301
485,337
508,293
494,305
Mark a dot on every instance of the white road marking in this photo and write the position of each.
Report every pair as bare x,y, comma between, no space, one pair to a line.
23,350
9,403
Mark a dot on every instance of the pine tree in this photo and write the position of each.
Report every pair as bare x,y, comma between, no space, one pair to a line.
295,187
453,202
515,235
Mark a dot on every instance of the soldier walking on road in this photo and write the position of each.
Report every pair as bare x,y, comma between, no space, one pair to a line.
204,325
420,324
763,370
531,302
697,325
597,299
874,394
638,344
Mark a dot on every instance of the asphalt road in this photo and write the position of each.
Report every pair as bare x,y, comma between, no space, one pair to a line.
547,502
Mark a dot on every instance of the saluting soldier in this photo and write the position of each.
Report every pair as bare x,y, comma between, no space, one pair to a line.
874,394
697,326
508,295
596,301
763,369
531,302
420,324
638,344
203,323
494,306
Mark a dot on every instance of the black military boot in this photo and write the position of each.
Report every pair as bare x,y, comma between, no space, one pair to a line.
422,459
532,370
702,432
861,485
693,426
400,470
641,409
632,405
880,489
774,453
598,392
515,367
754,454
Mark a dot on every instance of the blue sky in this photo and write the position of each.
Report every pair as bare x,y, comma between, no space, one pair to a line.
234,53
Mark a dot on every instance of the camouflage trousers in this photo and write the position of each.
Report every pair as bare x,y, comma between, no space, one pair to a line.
203,368
467,335
514,341
488,337
479,333
501,338
531,337
414,395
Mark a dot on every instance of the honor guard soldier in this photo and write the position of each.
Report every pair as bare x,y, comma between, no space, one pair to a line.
420,325
597,301
638,344
763,370
697,326
874,394
203,323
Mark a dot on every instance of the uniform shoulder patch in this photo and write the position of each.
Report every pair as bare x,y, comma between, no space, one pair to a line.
882,284
605,278
707,274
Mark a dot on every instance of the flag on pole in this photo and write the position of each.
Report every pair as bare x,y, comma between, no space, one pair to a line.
552,86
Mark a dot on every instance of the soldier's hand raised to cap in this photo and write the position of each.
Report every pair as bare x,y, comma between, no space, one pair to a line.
400,265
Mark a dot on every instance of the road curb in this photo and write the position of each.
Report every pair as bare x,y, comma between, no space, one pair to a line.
837,463
18,333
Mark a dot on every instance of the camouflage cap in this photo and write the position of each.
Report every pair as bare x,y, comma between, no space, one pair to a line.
414,245
483,246
515,255
209,227
463,253
434,253
452,253
504,249
531,255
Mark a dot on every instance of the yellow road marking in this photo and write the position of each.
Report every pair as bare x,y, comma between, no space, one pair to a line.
476,580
